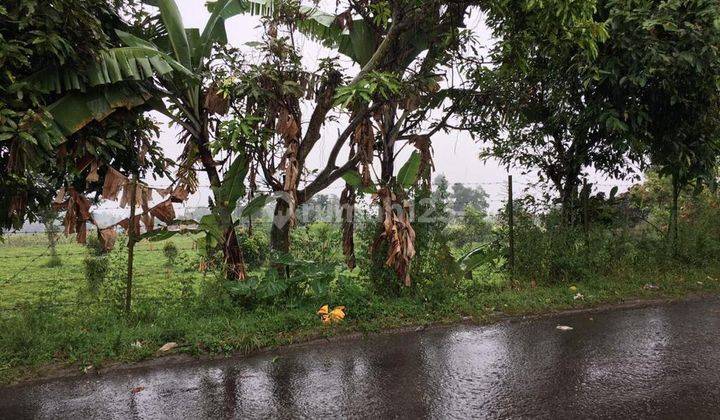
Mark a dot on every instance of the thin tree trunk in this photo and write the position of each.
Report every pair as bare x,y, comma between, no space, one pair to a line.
232,254
131,247
51,231
280,230
347,204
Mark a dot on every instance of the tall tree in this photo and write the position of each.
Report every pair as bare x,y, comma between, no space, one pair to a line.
463,196
196,105
539,104
662,67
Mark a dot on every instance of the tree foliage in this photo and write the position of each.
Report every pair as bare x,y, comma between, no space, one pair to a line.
51,107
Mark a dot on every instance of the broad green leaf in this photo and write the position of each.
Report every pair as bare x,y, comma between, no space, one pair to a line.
357,42
473,259
408,174
214,30
114,66
172,19
157,235
132,41
256,205
613,192
76,109
209,224
233,185
352,178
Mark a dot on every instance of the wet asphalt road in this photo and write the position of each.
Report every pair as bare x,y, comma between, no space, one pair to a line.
652,362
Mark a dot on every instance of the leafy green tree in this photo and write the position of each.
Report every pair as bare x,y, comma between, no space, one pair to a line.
196,104
57,107
541,106
465,197
662,67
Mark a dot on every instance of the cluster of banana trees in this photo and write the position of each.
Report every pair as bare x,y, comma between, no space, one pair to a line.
383,101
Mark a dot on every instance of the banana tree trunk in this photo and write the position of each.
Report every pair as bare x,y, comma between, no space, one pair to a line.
347,203
232,254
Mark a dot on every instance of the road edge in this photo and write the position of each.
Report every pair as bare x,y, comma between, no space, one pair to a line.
63,372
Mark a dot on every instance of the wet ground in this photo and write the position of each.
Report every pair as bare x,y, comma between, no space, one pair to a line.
652,362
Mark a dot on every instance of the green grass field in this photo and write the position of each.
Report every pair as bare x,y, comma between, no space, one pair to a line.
25,276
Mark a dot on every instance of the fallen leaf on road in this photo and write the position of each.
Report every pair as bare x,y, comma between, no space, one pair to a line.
564,328
137,389
167,347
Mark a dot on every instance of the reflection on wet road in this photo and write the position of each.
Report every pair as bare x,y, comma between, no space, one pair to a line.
659,361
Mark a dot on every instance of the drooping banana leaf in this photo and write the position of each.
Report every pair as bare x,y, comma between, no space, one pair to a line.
77,109
233,184
114,65
133,41
408,174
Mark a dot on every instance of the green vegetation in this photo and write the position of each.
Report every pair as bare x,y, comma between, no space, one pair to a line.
569,91
208,321
73,313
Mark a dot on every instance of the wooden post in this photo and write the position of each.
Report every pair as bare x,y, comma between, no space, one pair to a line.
673,225
511,226
586,221
131,246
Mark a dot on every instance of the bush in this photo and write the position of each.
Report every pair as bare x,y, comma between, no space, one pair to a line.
254,248
371,262
171,252
319,242
96,268
434,270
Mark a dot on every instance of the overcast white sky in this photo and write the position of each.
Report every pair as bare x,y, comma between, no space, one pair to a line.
456,154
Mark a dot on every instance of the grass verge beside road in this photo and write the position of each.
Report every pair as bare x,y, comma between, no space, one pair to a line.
92,336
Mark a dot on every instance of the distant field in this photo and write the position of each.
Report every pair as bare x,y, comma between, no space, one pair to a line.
25,277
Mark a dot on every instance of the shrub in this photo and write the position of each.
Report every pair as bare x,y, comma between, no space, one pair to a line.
171,252
319,242
254,248
96,268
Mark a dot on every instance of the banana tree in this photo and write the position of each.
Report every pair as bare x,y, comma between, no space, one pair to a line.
385,42
61,87
170,66
196,106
